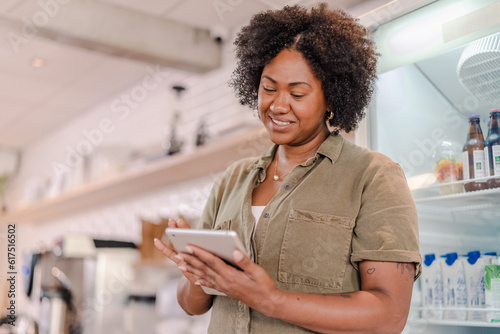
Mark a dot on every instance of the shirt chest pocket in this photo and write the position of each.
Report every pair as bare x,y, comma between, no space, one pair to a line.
315,250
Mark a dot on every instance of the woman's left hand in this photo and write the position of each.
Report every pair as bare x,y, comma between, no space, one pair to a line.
250,285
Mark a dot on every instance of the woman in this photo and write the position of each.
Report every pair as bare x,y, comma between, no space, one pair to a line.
331,228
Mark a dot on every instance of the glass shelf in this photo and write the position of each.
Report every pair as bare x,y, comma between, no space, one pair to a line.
464,201
467,323
456,323
481,206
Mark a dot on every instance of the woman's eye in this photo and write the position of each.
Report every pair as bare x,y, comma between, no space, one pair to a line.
269,90
297,96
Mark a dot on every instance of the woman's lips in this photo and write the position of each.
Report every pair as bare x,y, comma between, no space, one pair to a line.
280,124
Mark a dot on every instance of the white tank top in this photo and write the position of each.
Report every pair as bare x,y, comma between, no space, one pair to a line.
257,212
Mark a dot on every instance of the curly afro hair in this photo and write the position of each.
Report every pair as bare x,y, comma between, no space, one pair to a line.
338,49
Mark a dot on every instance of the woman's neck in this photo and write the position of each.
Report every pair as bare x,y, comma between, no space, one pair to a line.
295,155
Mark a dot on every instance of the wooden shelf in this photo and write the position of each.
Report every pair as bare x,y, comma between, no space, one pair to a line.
206,160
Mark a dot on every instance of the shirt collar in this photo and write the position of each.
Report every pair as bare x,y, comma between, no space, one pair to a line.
265,159
330,148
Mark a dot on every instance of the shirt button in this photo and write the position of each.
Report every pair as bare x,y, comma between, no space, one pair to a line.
266,215
287,186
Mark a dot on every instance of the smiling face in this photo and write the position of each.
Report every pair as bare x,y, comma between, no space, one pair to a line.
291,101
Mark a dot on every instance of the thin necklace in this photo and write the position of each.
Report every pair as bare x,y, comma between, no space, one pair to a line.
276,177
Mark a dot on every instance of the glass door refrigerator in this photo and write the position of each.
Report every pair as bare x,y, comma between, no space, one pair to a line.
440,64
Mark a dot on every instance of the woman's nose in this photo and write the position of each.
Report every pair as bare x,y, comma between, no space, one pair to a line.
280,105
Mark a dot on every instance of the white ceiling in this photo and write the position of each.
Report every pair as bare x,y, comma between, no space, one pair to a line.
35,101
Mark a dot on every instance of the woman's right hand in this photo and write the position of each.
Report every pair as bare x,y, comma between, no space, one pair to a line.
190,296
170,251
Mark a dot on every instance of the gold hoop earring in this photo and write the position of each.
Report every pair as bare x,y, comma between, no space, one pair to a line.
329,115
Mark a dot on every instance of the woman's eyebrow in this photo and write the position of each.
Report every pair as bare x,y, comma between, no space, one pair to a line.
290,84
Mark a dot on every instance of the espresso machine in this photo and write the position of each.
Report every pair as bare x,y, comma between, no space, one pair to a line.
81,284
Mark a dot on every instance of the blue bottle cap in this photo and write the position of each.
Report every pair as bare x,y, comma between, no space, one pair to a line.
473,256
473,116
491,253
429,258
450,258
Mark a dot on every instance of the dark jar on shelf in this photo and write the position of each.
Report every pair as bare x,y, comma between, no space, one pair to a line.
473,158
492,149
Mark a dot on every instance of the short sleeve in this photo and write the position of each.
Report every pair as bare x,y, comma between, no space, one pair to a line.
211,209
387,224
207,219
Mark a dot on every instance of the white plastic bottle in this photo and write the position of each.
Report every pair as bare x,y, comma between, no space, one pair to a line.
473,265
431,288
454,288
492,291
490,257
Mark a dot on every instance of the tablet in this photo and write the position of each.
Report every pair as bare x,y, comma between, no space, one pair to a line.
221,243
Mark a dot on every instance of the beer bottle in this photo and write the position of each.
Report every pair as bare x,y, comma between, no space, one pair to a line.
473,156
492,149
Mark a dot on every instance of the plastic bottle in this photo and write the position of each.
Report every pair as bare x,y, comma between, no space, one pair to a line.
490,257
492,149
473,156
454,288
473,265
492,291
448,167
431,288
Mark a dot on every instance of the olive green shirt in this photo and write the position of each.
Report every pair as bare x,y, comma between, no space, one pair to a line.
342,206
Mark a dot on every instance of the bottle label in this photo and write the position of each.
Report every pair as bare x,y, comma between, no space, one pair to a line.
486,162
479,168
461,288
438,289
495,156
465,163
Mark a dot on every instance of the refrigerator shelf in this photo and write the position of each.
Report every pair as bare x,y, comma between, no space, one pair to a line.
480,199
430,192
455,323
468,323
488,213
451,308
476,208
